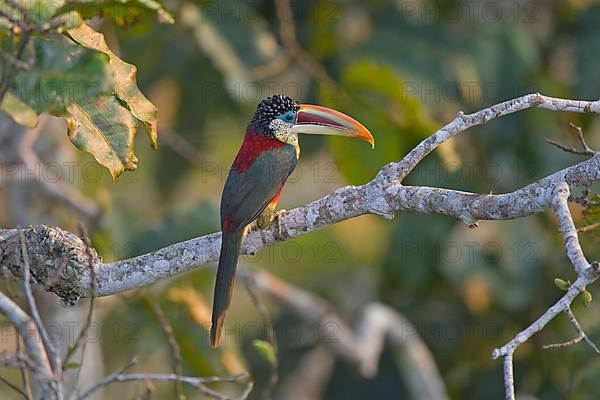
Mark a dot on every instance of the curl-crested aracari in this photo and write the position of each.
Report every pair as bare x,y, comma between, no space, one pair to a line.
266,159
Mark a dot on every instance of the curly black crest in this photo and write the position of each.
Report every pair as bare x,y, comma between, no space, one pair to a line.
272,107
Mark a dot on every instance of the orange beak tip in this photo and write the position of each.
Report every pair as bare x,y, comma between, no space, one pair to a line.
371,140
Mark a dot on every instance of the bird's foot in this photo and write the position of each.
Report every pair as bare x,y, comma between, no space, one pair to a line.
265,218
280,232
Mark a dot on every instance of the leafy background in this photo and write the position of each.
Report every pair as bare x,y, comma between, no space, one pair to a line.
403,68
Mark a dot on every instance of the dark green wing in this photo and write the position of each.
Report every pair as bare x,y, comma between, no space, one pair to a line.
247,193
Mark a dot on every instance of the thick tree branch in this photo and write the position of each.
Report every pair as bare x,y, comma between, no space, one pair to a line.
560,204
37,319
587,274
384,195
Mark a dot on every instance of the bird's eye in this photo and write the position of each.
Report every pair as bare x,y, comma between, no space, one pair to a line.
289,117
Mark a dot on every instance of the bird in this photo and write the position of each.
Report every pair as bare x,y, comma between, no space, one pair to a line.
268,155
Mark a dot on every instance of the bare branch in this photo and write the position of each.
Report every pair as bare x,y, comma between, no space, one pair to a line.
294,51
12,68
250,284
197,383
587,151
587,274
363,348
42,373
311,376
581,335
567,227
509,379
23,371
15,387
175,350
80,342
589,228
384,195
53,355
61,192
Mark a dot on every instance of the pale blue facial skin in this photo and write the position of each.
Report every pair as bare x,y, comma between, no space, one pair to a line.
282,129
289,117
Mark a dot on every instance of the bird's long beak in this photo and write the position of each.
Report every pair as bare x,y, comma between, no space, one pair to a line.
317,120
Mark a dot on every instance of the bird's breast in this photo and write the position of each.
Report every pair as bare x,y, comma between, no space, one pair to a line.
253,146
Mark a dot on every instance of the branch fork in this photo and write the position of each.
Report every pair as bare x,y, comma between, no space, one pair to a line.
385,195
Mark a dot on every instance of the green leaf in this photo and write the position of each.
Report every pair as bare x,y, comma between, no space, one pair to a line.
37,11
72,365
63,73
105,129
266,350
122,12
562,284
82,80
41,13
586,297
125,85
19,112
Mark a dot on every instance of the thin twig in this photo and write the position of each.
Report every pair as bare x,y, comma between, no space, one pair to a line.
16,22
287,31
6,282
272,68
53,354
587,151
362,347
23,370
568,343
61,192
581,335
582,140
180,145
14,387
589,228
27,28
250,285
567,149
11,360
196,382
20,8
90,314
15,61
175,350
12,68
132,361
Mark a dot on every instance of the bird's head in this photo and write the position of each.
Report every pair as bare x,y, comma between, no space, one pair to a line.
283,119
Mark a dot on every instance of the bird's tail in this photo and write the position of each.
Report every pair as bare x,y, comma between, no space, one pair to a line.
230,251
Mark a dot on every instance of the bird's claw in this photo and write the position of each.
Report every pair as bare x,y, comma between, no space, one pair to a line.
280,230
267,217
